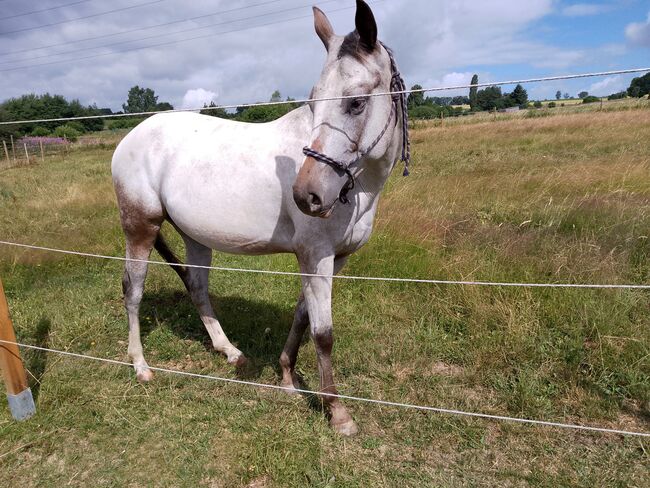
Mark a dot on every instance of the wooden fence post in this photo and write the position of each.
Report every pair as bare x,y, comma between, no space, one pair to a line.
26,153
4,144
19,396
13,147
40,143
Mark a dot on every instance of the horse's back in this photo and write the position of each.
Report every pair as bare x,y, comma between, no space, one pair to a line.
184,136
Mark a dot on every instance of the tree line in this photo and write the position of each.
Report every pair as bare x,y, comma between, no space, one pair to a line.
142,99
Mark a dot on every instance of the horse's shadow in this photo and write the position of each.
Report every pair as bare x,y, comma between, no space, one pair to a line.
258,329
36,360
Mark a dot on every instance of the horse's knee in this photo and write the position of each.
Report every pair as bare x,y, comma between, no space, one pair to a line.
126,283
132,287
323,339
199,296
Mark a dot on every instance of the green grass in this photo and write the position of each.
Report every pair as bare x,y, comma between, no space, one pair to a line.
563,199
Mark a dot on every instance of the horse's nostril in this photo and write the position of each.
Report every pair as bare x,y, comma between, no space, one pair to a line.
314,201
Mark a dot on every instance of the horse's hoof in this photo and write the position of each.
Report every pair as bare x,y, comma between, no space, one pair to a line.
347,428
289,388
239,360
144,375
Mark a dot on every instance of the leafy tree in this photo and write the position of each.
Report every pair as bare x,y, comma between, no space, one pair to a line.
566,96
473,93
590,99
552,104
634,91
6,131
459,100
617,96
68,131
537,104
124,123
415,99
264,113
162,106
558,95
143,100
215,112
427,112
519,96
639,86
276,96
489,98
583,94
45,106
40,131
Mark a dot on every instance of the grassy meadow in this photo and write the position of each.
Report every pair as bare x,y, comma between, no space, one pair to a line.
557,198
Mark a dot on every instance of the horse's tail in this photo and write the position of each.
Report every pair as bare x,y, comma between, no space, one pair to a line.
169,256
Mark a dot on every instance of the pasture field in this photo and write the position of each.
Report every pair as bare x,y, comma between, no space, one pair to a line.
566,101
538,199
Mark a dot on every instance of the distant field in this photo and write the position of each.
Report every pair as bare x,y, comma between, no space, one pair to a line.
567,101
559,197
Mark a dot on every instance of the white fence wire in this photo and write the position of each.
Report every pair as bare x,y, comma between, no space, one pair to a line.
344,277
411,406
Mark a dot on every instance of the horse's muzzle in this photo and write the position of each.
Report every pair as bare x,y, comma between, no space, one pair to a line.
310,203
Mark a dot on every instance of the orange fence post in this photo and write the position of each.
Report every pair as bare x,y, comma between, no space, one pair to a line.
19,396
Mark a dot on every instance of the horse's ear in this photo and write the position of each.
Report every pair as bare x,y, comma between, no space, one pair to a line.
323,27
366,26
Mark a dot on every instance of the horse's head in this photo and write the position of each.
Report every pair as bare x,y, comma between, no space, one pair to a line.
344,131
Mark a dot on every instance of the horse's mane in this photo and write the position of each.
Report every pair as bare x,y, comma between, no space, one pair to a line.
351,46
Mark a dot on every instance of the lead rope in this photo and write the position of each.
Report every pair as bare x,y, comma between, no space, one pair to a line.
399,100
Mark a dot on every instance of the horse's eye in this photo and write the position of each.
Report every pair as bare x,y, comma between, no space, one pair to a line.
357,105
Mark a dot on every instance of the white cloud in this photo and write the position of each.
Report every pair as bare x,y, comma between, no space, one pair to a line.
450,79
436,42
583,9
639,32
197,97
607,86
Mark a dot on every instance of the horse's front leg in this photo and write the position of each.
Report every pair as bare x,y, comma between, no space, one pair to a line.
318,298
289,354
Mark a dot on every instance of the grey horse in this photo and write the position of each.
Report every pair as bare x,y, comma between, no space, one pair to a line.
307,183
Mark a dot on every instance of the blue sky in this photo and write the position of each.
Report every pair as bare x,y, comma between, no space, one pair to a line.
595,34
238,60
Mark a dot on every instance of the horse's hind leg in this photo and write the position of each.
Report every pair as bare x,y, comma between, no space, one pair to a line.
140,237
289,354
196,282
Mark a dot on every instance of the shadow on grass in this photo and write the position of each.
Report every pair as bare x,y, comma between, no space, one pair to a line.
36,361
258,329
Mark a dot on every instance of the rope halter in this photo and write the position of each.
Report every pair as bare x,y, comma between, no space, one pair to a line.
398,103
